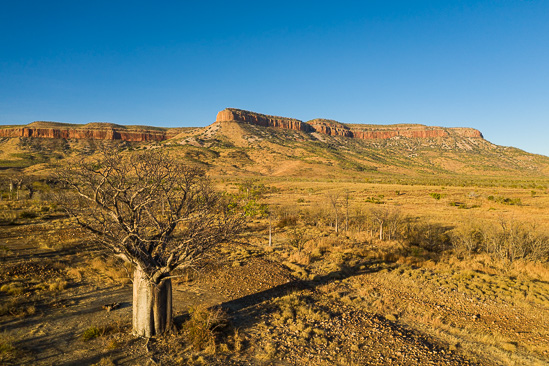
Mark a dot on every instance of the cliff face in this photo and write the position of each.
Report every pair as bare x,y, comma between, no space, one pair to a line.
409,133
330,127
109,131
334,128
231,114
467,132
94,131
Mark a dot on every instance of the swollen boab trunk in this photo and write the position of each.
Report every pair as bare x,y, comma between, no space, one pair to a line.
152,305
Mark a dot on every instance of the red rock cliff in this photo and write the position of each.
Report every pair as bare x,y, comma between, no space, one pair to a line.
330,127
231,114
334,128
383,132
411,131
95,131
466,132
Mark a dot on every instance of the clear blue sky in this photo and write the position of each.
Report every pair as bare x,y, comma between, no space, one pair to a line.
482,64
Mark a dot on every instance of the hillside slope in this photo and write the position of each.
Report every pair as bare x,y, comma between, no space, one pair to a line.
253,144
278,146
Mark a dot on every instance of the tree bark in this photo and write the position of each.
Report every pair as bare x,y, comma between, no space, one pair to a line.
270,232
381,230
152,305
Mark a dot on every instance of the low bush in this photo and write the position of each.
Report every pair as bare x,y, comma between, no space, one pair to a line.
93,332
201,329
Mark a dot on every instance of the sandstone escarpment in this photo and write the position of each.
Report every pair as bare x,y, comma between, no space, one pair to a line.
232,114
330,127
109,131
335,128
466,132
387,132
94,131
418,131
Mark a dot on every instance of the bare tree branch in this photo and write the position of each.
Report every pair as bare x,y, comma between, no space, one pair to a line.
156,212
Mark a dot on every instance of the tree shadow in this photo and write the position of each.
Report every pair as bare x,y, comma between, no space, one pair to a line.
52,349
75,307
247,309
32,252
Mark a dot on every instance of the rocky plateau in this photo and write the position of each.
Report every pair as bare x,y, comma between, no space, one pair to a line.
94,131
109,131
335,128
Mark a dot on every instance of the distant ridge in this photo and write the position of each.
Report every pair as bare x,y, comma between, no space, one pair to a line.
93,131
239,115
110,131
246,143
335,128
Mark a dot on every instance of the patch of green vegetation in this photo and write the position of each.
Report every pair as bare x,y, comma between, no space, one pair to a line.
506,200
15,163
458,204
375,200
436,196
92,333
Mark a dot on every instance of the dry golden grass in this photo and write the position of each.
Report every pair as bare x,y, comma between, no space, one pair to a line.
8,352
202,328
113,270
105,361
415,200
382,297
58,284
301,205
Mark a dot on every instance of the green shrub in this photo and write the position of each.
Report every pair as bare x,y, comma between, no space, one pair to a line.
92,333
375,200
506,200
509,201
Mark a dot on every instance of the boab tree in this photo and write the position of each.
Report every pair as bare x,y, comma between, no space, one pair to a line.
154,212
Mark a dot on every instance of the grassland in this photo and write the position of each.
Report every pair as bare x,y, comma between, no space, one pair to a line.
353,254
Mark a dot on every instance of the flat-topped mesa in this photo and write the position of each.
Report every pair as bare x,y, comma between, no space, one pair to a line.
466,132
330,127
93,131
335,128
368,132
371,132
239,115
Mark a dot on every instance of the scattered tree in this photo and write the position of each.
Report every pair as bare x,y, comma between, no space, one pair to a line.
379,215
346,197
154,212
333,197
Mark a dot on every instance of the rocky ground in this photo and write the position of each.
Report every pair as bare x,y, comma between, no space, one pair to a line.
372,312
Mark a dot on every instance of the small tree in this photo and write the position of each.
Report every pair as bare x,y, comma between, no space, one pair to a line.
346,197
380,216
154,212
333,197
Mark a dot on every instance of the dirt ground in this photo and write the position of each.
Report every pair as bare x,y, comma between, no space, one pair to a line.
367,312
